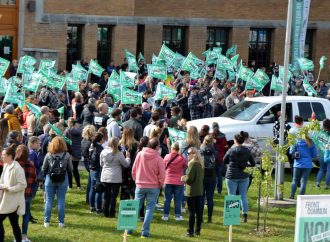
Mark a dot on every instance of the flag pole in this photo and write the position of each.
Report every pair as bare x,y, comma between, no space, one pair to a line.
280,165
318,76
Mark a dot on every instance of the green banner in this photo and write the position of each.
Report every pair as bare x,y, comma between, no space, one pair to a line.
114,87
231,51
129,96
46,64
127,78
258,81
95,68
3,86
321,139
158,71
178,60
13,96
166,54
157,60
31,82
309,89
59,133
3,66
322,62
231,210
71,84
34,109
163,91
224,63
305,64
26,64
59,81
189,64
128,214
177,136
79,73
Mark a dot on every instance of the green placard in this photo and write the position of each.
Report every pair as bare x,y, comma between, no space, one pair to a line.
231,214
128,214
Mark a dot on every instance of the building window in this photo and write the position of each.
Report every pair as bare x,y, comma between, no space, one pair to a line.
104,45
7,2
217,37
73,53
308,52
140,39
259,47
175,38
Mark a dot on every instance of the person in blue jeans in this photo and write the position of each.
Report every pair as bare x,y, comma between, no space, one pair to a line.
57,153
324,166
95,172
238,157
303,152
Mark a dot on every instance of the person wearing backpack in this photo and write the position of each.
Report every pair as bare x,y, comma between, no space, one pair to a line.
94,152
208,153
56,166
324,160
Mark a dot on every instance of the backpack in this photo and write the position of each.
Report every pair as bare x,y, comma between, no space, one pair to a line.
57,169
209,158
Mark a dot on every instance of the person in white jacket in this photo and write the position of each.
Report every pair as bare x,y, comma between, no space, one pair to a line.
12,187
112,161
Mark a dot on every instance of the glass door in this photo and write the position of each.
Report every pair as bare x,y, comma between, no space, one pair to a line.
6,47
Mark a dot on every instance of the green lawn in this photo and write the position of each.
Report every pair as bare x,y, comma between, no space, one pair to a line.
84,226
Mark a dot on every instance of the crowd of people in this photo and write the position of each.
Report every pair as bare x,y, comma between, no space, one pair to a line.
127,152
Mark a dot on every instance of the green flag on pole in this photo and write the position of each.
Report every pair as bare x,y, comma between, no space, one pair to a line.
114,87
158,71
281,73
277,84
95,68
46,79
127,78
164,91
231,51
305,64
3,86
178,60
224,63
308,88
61,110
46,64
31,82
260,79
157,60
166,54
217,50
59,81
14,96
3,66
14,80
71,84
190,63
234,60
141,57
322,62
177,136
26,64
131,59
59,133
129,54
79,73
34,109
321,139
129,96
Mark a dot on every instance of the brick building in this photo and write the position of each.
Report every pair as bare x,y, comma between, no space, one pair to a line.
69,30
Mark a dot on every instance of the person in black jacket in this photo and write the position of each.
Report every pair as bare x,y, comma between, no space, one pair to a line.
238,157
182,101
219,106
100,119
87,115
74,132
95,172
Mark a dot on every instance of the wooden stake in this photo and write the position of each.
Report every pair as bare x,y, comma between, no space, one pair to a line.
125,235
230,233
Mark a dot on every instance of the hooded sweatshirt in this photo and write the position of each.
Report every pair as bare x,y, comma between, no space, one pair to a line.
149,169
13,122
306,154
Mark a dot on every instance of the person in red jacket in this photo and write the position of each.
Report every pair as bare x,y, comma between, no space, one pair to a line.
221,148
148,172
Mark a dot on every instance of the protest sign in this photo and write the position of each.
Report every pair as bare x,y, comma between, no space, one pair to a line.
129,96
166,54
26,64
321,139
128,214
163,91
158,71
79,73
312,218
232,206
177,135
95,68
305,64
3,66
71,84
114,87
127,79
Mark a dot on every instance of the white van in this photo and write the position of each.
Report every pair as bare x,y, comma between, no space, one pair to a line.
257,115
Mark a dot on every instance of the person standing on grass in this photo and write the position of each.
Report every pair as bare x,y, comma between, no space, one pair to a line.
12,186
56,166
324,166
194,190
112,161
148,173
238,157
175,165
303,151
22,156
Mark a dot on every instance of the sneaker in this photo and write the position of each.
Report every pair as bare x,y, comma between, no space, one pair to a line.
165,218
183,210
318,185
179,218
188,234
46,225
61,225
98,211
93,210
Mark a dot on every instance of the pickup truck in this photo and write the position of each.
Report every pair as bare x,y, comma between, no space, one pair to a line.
257,115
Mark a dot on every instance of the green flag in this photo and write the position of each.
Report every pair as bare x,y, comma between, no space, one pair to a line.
178,60
211,57
190,64
114,87
158,71
129,54
224,63
141,57
14,80
309,89
231,51
13,96
79,73
322,62
3,86
217,50
26,64
129,96
3,66
34,109
321,139
59,133
71,84
95,68
46,79
131,59
260,79
46,64
166,54
164,91
276,84
245,73
234,60
31,82
127,78
220,74
305,64
231,76
177,136
157,60
281,73
61,110
59,81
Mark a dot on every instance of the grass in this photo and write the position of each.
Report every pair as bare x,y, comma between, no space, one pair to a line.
80,225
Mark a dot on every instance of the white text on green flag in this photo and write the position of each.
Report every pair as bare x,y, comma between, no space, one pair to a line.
163,91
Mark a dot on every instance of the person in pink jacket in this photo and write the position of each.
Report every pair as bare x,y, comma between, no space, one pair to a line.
175,164
148,173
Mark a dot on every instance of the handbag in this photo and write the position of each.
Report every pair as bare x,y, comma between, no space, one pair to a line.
99,187
296,153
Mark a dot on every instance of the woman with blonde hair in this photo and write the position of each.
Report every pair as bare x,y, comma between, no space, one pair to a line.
194,190
128,143
56,166
112,161
191,141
